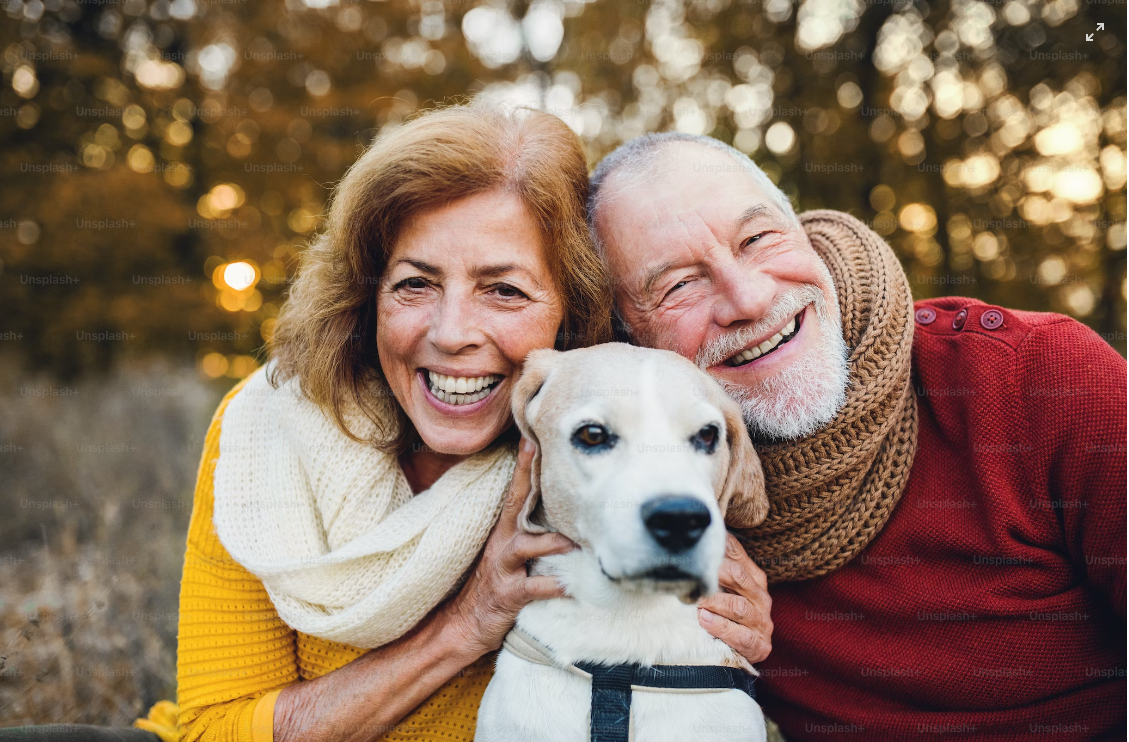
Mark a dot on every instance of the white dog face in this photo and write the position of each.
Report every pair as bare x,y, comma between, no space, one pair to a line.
641,458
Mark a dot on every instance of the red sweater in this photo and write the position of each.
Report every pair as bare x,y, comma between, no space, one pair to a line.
992,604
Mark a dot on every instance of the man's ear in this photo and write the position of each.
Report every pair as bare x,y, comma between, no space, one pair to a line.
527,397
743,500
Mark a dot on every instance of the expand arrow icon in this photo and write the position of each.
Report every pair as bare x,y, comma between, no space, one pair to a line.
1089,37
1101,26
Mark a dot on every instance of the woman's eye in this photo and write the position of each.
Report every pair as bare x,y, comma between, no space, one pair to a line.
592,438
415,282
705,440
507,291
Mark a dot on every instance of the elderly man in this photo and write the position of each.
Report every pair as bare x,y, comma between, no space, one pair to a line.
945,548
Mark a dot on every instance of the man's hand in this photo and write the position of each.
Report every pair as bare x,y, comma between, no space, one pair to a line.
741,614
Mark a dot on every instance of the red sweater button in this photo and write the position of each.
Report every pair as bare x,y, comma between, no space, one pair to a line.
958,321
926,316
991,319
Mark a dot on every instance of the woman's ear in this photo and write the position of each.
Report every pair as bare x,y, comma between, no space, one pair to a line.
743,500
526,400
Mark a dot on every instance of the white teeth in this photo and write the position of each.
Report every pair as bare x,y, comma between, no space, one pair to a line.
758,350
459,390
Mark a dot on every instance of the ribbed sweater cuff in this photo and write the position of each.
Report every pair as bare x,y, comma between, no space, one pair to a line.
262,722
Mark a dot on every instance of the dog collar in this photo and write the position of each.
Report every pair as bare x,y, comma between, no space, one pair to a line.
612,685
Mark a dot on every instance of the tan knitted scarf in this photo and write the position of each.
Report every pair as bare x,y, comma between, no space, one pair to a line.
330,525
831,492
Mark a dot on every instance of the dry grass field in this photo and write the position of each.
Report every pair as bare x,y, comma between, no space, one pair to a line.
96,485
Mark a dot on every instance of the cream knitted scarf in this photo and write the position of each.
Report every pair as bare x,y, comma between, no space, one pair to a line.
831,492
330,525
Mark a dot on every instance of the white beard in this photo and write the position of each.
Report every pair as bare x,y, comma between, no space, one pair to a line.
802,398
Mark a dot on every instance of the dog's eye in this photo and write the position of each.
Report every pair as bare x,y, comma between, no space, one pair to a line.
592,438
706,439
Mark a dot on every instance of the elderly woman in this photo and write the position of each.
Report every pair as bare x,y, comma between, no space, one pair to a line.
353,558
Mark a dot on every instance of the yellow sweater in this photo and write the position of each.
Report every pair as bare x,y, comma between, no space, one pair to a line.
233,650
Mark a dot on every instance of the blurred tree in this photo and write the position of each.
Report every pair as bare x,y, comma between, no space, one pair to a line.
151,148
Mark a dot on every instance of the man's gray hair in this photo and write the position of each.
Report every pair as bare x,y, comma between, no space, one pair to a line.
636,160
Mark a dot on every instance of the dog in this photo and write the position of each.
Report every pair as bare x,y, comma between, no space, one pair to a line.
640,459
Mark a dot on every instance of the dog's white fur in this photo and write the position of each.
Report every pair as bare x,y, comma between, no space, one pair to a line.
654,402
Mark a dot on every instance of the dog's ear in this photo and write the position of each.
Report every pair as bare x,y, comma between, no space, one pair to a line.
526,400
743,500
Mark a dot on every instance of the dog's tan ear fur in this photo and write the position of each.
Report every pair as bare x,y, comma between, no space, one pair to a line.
743,500
534,374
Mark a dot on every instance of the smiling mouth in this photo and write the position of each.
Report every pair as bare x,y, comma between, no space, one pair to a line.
774,343
461,390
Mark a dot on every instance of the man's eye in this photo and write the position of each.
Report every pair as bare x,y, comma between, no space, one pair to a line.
592,438
674,288
705,440
754,238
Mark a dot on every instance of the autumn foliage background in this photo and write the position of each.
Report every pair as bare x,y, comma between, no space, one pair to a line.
163,164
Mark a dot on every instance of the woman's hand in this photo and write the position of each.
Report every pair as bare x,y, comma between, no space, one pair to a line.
741,617
377,690
487,606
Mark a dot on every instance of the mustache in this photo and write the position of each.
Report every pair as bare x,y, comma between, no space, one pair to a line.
788,305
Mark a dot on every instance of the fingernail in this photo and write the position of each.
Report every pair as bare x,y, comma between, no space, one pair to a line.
706,616
526,445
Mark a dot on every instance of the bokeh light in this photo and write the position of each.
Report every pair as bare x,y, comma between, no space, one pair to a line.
239,276
983,140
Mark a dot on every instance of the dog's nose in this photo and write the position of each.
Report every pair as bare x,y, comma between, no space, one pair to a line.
677,523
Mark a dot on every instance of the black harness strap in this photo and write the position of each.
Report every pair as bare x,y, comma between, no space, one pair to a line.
611,701
611,690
